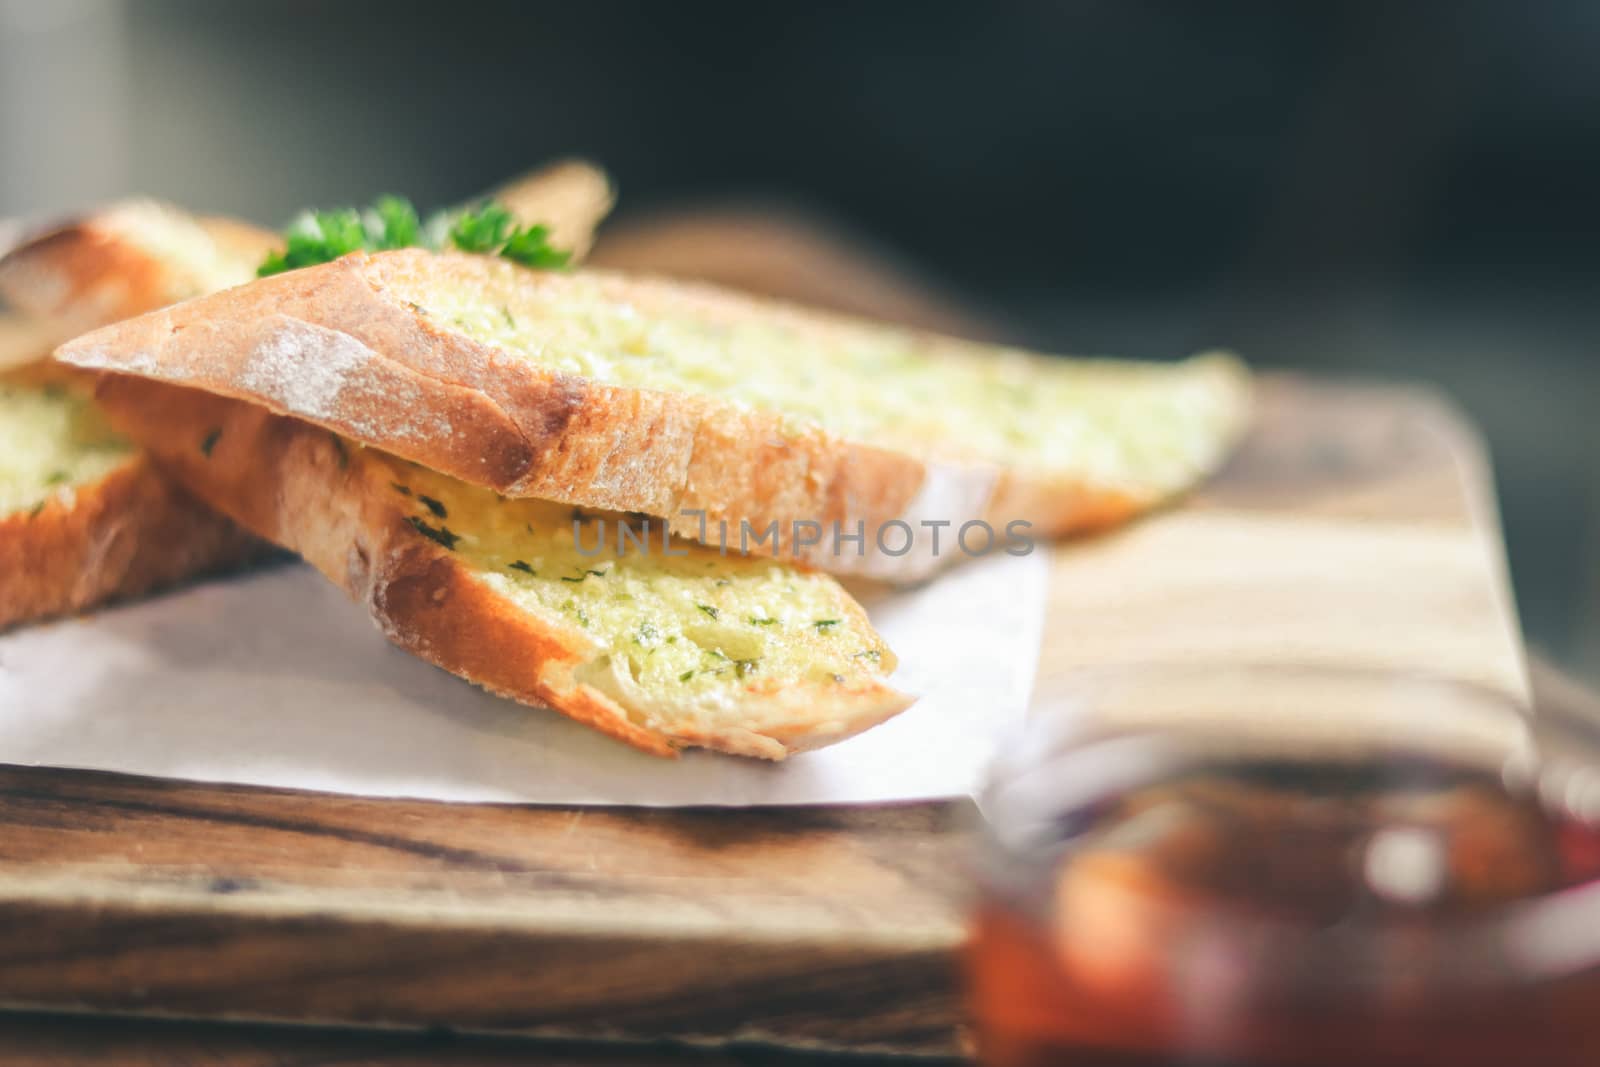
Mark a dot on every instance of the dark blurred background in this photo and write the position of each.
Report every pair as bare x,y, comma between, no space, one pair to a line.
1394,190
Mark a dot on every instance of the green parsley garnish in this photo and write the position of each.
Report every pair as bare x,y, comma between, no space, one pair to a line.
532,248
685,676
397,223
520,565
484,230
825,625
210,442
391,222
762,622
434,506
318,237
709,610
56,478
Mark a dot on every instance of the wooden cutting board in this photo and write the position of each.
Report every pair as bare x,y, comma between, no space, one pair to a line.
1356,527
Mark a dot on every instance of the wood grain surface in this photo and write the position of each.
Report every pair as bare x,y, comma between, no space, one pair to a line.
1356,527
58,1040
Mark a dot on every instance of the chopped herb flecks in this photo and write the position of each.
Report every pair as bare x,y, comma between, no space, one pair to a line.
403,490
520,565
210,442
685,676
439,534
56,478
826,625
584,574
434,506
762,622
709,610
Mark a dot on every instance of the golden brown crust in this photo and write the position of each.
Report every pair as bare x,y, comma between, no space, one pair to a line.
298,486
96,269
129,533
82,277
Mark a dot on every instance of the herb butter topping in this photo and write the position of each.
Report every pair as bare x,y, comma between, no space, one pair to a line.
1111,423
678,617
53,440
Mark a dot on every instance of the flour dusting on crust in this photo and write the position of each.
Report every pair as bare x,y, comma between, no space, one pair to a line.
99,357
319,374
303,367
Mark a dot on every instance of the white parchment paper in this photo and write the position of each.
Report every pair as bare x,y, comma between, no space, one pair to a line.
276,679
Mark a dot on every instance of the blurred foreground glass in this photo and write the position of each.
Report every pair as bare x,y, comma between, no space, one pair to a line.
1287,866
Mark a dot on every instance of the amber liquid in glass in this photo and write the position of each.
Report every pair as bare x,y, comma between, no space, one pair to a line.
1276,914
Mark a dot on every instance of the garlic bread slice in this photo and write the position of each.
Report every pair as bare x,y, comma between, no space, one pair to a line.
663,646
610,391
85,517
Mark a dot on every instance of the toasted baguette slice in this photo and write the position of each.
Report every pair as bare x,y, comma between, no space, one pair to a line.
609,391
746,656
85,517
